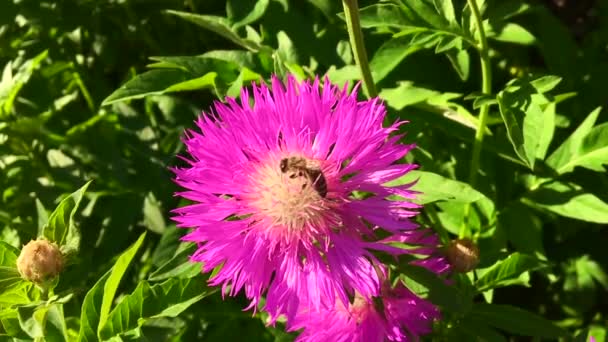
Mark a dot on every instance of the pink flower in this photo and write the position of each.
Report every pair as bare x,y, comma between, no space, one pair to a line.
289,195
397,315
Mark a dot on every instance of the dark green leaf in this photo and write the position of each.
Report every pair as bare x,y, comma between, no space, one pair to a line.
439,292
179,266
506,272
389,55
516,321
168,299
9,278
569,200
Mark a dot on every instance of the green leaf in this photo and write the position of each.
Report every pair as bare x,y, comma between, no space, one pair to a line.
568,154
43,216
389,55
178,73
111,285
446,9
218,25
461,61
506,272
381,15
545,83
546,134
157,82
523,228
435,188
168,299
406,94
179,266
32,319
593,152
245,76
89,316
516,321
153,215
479,328
425,10
11,85
43,321
569,200
9,279
521,106
514,33
8,255
61,227
440,293
256,12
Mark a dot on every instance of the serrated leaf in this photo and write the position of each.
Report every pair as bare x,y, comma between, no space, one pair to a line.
61,227
111,285
562,158
168,299
569,200
505,272
516,321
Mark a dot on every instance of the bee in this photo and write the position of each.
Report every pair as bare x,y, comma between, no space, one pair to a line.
300,167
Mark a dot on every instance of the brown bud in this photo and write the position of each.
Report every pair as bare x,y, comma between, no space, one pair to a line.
463,254
40,260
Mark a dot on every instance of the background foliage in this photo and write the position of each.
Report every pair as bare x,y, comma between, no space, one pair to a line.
101,91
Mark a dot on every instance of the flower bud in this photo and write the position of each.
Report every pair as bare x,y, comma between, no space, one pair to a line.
463,254
40,260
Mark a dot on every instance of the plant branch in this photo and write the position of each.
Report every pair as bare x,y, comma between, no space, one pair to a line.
486,88
351,13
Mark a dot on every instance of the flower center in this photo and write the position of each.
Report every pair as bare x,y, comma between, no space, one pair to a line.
291,191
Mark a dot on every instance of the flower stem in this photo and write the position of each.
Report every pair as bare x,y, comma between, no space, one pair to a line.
351,13
486,88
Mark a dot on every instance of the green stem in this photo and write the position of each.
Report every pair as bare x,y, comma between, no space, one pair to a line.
486,88
351,13
84,91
